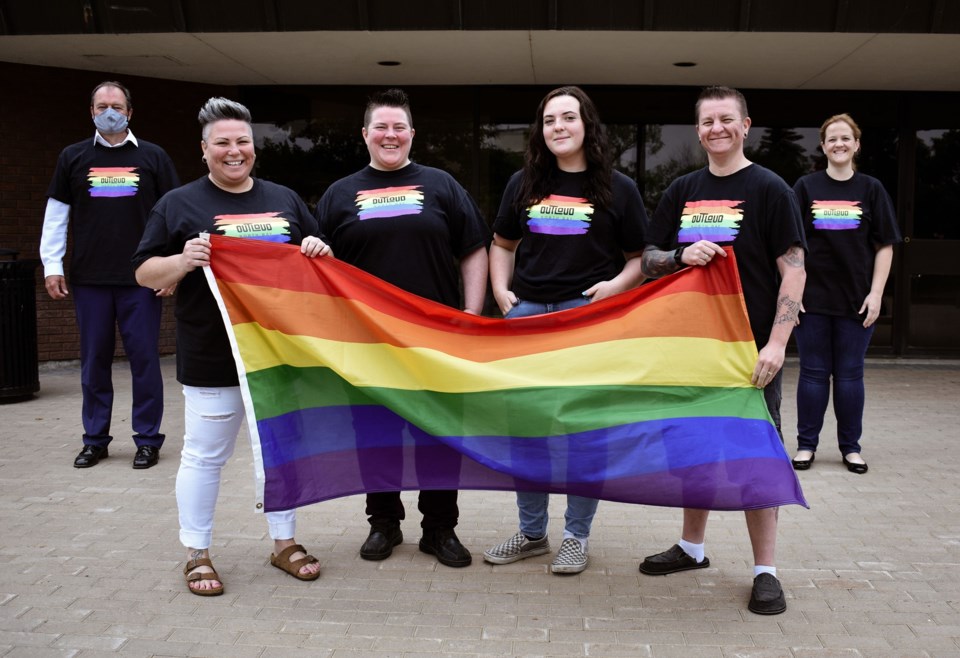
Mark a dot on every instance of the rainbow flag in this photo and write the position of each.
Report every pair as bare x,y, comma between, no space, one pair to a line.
352,385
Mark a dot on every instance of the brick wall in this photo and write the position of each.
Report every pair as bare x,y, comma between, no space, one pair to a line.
47,109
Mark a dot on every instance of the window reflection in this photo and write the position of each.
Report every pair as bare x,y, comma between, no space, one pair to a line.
674,150
308,156
788,152
670,151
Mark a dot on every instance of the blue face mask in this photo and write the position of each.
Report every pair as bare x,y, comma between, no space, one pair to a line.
110,121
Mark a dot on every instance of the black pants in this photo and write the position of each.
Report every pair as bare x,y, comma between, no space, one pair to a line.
439,509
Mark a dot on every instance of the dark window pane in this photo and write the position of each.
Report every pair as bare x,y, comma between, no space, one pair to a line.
502,146
669,152
934,312
938,185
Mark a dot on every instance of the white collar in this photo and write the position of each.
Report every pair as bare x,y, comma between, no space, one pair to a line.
98,139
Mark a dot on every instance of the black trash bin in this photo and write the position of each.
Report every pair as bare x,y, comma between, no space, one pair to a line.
19,372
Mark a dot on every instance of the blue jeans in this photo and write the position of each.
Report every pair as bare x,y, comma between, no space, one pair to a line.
773,395
525,308
533,505
831,347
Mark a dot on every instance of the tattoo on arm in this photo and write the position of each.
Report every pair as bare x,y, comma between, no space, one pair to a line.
656,263
787,311
793,257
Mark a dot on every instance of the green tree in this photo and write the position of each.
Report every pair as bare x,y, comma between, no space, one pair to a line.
780,152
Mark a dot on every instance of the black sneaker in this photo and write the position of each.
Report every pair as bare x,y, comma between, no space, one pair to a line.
444,544
380,542
767,596
672,560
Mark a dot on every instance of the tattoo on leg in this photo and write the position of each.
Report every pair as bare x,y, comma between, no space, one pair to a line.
197,554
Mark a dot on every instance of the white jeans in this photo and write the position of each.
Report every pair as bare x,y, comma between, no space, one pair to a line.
212,418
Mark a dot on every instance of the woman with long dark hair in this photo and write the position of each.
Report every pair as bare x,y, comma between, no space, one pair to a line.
569,232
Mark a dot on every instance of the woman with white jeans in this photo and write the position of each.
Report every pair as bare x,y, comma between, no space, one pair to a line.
172,252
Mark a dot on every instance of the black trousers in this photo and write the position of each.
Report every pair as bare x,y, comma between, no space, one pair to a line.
439,509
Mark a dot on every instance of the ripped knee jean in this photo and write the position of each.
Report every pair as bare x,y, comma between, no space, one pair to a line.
212,419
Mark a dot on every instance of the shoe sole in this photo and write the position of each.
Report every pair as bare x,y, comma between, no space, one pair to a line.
776,611
142,466
492,559
567,569
450,563
698,565
376,557
853,467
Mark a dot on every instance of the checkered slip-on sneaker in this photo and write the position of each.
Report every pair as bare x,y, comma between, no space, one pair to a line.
516,548
570,558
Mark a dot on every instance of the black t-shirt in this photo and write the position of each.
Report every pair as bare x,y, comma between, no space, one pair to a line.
408,227
568,244
110,192
267,212
844,222
752,209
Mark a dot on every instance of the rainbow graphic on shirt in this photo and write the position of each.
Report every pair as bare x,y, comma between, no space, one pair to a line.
389,202
836,215
714,220
560,215
269,226
113,181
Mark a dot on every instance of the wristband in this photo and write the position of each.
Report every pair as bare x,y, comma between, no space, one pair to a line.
678,256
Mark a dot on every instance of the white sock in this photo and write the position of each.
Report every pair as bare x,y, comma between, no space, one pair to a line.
693,550
759,569
583,540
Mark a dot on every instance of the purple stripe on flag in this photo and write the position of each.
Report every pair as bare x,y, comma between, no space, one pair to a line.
732,485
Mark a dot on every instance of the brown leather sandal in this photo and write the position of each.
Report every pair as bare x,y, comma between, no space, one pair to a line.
284,563
197,577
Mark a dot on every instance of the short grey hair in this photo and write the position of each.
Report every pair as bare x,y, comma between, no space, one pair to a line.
221,109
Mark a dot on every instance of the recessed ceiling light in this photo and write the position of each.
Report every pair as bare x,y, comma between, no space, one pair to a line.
684,65
388,62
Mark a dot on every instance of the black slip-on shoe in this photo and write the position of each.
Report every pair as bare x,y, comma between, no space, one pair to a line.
672,560
767,596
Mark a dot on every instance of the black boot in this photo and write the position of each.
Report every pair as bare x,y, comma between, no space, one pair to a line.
444,544
380,543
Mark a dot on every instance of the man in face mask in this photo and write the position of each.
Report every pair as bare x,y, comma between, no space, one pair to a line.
103,189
